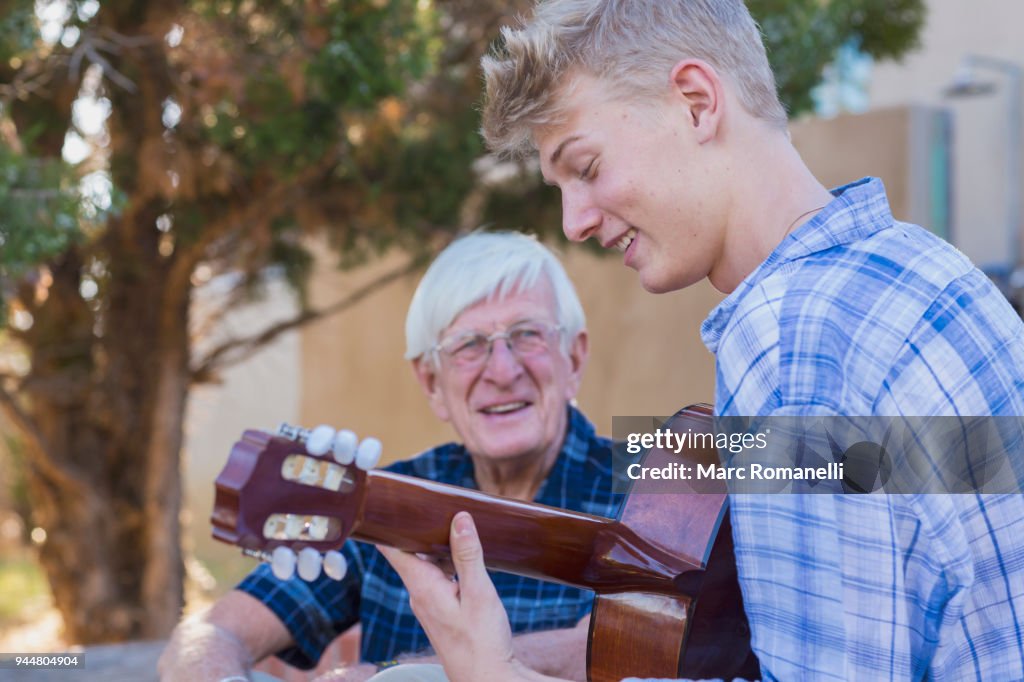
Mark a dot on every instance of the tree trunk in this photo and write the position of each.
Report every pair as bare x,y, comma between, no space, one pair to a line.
109,407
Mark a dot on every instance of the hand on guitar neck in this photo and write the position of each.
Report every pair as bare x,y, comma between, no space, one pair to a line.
465,619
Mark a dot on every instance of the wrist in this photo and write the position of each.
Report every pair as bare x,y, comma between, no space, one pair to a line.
522,673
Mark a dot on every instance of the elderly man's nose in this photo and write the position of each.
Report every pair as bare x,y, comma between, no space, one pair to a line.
502,360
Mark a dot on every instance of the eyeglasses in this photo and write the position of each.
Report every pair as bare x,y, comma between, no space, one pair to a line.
472,349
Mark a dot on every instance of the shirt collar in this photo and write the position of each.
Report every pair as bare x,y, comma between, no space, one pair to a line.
566,473
579,434
856,211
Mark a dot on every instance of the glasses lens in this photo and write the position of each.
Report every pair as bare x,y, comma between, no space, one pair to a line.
529,338
467,348
472,348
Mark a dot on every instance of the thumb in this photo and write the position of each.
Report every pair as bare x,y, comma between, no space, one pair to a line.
468,554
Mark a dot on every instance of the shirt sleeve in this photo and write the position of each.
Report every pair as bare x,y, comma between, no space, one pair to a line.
314,612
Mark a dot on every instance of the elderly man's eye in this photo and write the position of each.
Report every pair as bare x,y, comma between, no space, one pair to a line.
468,346
528,340
526,333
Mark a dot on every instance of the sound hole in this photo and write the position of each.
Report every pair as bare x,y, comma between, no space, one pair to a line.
318,473
307,527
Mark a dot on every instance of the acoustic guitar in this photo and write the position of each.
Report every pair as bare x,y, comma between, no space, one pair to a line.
667,601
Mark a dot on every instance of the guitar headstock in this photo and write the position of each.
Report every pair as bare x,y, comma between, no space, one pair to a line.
297,491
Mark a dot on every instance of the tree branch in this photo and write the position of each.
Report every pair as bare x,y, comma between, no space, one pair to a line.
262,207
63,476
242,349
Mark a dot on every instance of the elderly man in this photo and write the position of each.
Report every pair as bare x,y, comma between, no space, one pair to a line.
497,340
659,122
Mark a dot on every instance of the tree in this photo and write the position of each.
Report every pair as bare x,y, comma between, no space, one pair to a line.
231,129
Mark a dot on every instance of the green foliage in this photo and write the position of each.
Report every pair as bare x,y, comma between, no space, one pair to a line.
39,211
17,30
802,37
24,588
372,51
267,88
354,55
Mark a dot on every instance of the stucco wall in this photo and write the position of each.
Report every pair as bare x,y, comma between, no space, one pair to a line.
953,30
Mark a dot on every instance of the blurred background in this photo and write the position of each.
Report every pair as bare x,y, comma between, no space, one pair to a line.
213,215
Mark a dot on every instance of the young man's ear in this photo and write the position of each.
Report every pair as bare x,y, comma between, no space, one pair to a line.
697,85
579,351
426,374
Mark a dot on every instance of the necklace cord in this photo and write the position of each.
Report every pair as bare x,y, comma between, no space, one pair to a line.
797,220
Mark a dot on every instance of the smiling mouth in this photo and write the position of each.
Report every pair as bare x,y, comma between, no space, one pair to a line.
626,240
505,408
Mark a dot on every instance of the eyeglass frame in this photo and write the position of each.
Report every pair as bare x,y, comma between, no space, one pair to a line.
437,350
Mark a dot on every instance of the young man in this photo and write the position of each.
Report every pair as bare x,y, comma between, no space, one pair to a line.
497,339
659,122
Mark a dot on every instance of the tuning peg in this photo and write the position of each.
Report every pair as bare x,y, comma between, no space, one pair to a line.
320,440
368,453
335,565
344,446
296,433
282,563
309,564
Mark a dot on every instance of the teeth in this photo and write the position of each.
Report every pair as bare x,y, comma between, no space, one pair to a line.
626,240
507,407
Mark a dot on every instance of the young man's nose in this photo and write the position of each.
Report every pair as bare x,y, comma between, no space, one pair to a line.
580,218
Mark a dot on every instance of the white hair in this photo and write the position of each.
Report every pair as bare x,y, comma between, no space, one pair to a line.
486,266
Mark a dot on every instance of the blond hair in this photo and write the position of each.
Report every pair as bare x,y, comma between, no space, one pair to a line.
631,44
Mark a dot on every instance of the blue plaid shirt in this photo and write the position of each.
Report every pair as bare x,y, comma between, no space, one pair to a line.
372,593
856,314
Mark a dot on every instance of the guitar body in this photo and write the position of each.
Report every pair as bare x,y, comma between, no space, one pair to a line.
701,631
667,605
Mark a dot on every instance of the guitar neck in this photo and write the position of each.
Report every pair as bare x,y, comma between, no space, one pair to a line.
518,537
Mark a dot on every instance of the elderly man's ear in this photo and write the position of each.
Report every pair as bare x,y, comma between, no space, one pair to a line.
579,351
426,375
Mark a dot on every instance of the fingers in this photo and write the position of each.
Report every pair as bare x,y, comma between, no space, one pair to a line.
465,621
432,595
413,570
468,556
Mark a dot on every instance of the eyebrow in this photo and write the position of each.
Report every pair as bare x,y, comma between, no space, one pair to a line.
555,155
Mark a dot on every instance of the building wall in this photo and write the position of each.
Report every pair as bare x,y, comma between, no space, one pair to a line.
258,393
980,185
908,147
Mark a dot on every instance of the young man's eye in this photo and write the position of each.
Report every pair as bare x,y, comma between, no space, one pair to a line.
588,172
